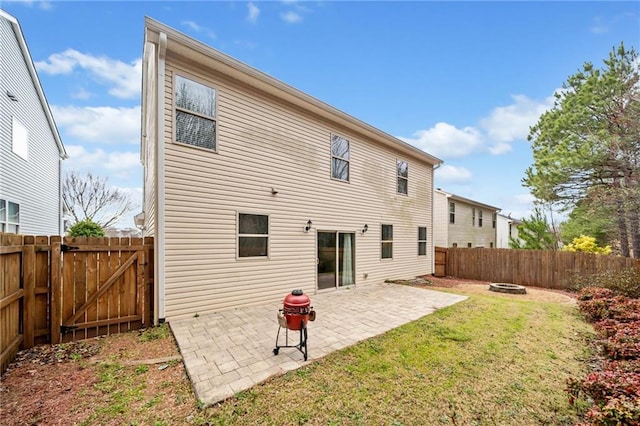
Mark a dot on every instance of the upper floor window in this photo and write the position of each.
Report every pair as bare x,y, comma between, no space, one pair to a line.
422,240
494,219
403,176
480,218
473,216
9,217
253,235
452,212
387,241
19,140
340,150
195,121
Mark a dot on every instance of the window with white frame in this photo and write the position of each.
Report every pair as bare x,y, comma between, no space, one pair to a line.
253,235
387,241
452,212
473,216
422,240
9,217
494,219
480,218
195,119
403,177
340,154
19,139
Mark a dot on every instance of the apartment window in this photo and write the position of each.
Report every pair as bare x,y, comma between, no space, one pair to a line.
491,244
253,235
452,212
9,217
468,245
510,225
473,216
195,113
454,245
422,240
387,241
340,154
403,177
19,140
480,218
494,219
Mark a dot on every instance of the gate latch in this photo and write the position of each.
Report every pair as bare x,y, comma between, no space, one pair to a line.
64,247
64,329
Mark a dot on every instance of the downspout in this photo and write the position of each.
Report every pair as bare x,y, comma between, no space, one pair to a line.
433,224
159,241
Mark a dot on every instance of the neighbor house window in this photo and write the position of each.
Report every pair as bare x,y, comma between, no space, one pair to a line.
473,216
494,219
253,235
195,113
480,218
469,245
454,245
403,176
491,244
19,139
452,212
9,217
340,158
422,240
387,241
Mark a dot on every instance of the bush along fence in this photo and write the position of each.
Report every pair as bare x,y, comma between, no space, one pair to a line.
60,289
539,268
614,389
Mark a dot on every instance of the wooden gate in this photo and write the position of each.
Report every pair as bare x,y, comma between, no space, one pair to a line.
55,289
440,262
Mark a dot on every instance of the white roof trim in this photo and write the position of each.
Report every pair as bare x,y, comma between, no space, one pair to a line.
34,76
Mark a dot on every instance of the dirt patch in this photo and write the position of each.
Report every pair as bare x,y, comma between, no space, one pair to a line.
482,287
108,380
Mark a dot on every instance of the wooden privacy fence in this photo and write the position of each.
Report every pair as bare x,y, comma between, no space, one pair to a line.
55,289
539,268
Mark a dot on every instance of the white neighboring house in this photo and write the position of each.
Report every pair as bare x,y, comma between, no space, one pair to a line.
507,228
31,151
253,188
461,222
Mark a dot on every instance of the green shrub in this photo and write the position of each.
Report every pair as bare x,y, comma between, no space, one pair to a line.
625,282
86,228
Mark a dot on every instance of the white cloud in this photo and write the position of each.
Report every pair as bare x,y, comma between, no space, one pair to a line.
199,28
452,174
447,141
43,4
291,17
125,78
508,123
121,165
82,94
107,125
254,12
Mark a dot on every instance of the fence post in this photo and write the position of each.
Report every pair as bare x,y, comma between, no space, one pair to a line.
56,274
148,280
29,287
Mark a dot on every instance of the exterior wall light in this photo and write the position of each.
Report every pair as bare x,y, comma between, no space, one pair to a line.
365,228
307,227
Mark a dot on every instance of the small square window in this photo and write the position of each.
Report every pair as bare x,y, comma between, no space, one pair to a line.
9,217
253,235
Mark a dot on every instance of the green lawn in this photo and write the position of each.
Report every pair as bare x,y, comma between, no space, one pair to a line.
485,361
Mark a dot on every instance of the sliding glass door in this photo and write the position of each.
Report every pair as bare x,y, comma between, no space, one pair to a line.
336,259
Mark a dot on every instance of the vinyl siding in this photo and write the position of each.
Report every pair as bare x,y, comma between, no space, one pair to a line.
463,232
33,183
440,219
262,144
148,147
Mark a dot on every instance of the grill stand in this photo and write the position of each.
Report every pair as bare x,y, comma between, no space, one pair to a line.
302,346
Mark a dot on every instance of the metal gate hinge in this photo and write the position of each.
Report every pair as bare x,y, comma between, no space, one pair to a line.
65,247
64,329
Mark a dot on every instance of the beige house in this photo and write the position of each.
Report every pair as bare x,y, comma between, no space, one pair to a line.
461,222
253,188
507,228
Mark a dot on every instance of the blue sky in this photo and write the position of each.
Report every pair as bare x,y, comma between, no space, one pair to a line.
460,80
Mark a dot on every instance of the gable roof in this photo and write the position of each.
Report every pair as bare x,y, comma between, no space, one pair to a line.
17,30
193,50
466,200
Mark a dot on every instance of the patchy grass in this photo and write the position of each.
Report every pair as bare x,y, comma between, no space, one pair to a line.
487,360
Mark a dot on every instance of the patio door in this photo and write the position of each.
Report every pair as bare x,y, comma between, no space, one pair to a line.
336,259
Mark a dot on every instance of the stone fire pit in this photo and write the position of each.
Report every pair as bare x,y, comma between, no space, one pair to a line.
507,288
